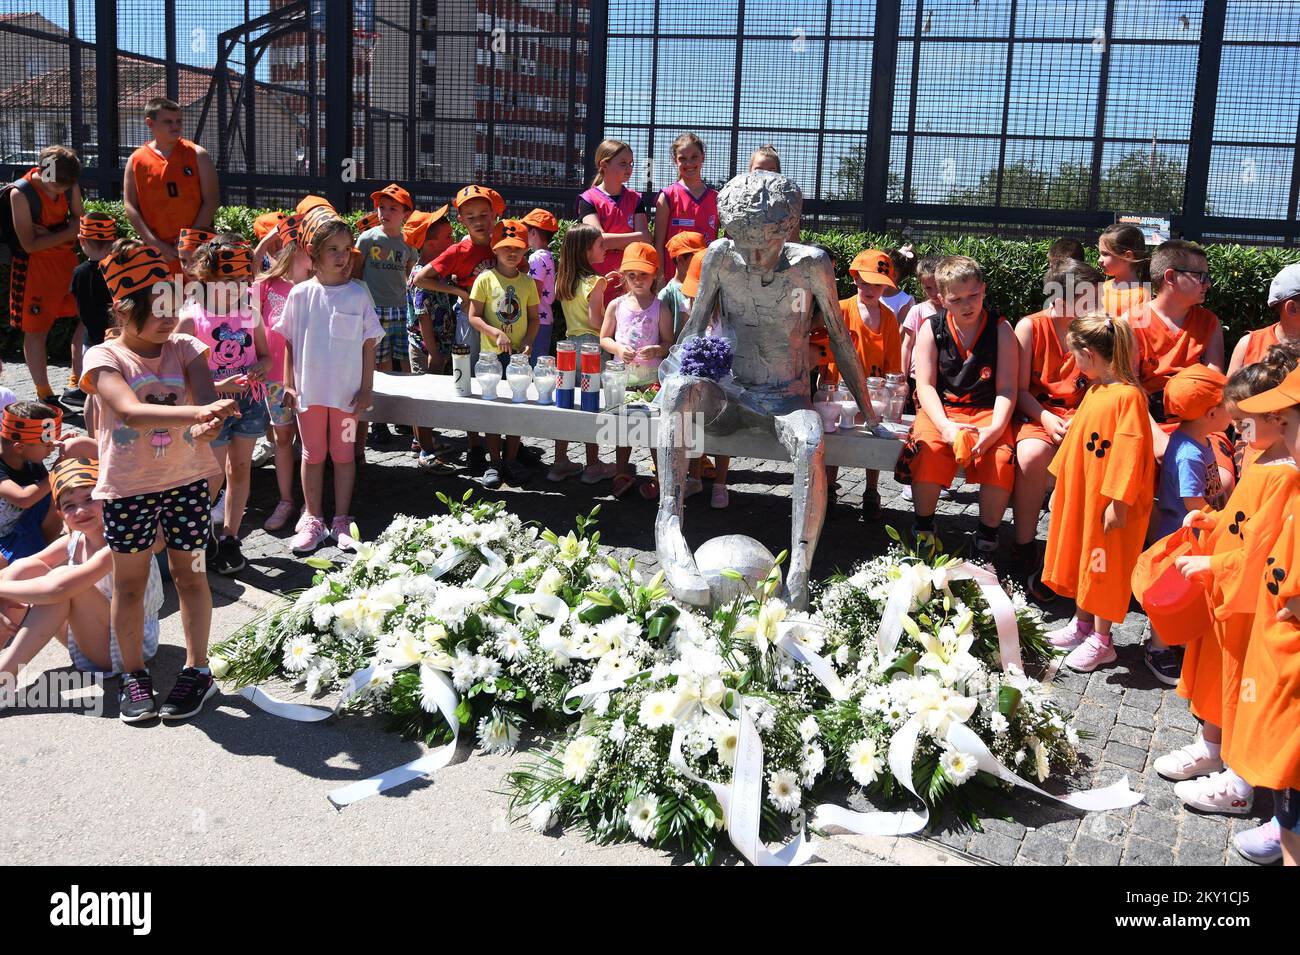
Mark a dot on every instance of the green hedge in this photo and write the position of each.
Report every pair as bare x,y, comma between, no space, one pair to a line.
1014,269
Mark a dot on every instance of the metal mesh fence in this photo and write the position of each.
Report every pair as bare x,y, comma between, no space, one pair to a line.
1002,115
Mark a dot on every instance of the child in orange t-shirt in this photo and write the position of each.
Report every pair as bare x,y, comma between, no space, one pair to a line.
1051,389
1105,469
1284,299
966,377
873,328
1122,255
1238,539
1265,739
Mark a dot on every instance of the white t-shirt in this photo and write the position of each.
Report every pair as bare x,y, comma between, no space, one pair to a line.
328,325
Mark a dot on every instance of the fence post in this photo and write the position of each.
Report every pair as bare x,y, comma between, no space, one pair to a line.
338,99
106,99
75,79
173,80
1203,105
880,121
597,42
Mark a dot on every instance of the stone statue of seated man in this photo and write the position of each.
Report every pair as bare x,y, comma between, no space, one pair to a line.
758,290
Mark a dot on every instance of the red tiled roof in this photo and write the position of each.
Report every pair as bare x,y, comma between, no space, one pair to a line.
138,82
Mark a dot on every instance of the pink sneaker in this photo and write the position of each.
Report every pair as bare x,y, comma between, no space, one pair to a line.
1261,845
1069,636
719,498
1218,793
1090,654
279,517
341,531
562,470
311,533
600,471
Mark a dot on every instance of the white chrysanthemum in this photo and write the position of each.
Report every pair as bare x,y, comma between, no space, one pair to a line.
640,815
842,655
543,816
485,668
762,713
511,645
809,636
865,764
957,766
430,685
999,724
877,700
726,740
657,709
462,672
320,674
496,734
783,790
322,615
698,744
1071,735
619,631
814,761
453,605
299,653
578,757
808,728
1042,766
613,666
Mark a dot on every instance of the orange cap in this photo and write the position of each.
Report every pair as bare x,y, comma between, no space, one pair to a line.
1194,391
541,219
98,227
288,228
190,239
684,242
311,202
1285,395
513,235
691,287
367,221
876,267
481,192
235,261
396,193
415,231
133,270
640,257
266,223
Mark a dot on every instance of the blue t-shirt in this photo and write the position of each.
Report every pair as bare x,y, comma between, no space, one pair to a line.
1188,470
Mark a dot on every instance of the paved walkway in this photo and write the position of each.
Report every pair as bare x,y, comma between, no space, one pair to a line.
260,791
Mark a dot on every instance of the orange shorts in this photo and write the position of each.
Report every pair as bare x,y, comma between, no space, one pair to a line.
40,289
935,462
1022,430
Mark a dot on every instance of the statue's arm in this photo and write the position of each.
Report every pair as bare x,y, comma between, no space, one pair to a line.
704,304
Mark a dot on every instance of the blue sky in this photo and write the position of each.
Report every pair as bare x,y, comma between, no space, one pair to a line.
1053,85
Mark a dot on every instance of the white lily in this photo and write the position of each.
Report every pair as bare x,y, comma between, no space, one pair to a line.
762,630
937,706
948,654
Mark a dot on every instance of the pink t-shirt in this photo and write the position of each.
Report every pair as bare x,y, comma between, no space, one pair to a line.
134,461
268,299
229,340
637,328
917,316
328,325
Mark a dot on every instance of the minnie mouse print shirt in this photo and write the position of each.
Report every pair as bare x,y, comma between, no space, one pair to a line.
229,339
143,460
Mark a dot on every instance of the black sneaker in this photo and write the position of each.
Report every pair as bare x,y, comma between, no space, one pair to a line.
405,430
212,550
135,699
513,473
229,558
74,399
529,454
53,402
1166,663
491,478
476,460
870,505
187,697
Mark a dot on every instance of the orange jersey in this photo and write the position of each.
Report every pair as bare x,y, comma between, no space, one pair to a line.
1259,342
880,353
1266,728
1053,379
1107,455
1239,543
1164,351
40,282
168,190
1116,301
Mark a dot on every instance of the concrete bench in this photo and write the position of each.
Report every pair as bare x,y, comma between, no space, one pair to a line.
430,401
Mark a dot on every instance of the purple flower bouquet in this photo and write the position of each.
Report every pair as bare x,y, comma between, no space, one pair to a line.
706,358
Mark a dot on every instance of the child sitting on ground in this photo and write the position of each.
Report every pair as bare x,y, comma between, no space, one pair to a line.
64,592
28,431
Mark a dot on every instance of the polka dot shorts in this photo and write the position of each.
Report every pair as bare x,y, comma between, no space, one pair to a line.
131,523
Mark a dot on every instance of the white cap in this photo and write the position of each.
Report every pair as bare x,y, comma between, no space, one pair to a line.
1286,284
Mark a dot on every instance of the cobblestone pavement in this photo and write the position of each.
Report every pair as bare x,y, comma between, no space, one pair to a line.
1131,717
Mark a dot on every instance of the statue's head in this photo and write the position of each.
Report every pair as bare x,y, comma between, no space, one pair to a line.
757,209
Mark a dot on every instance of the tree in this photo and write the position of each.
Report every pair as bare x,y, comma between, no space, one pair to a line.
850,167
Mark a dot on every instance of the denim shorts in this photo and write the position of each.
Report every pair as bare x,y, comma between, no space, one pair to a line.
251,423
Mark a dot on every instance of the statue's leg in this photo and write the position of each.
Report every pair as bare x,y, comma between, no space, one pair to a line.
800,432
679,398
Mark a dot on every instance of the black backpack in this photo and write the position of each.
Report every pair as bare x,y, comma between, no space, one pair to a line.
9,244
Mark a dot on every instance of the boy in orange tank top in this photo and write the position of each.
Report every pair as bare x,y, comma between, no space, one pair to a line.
1284,299
170,183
